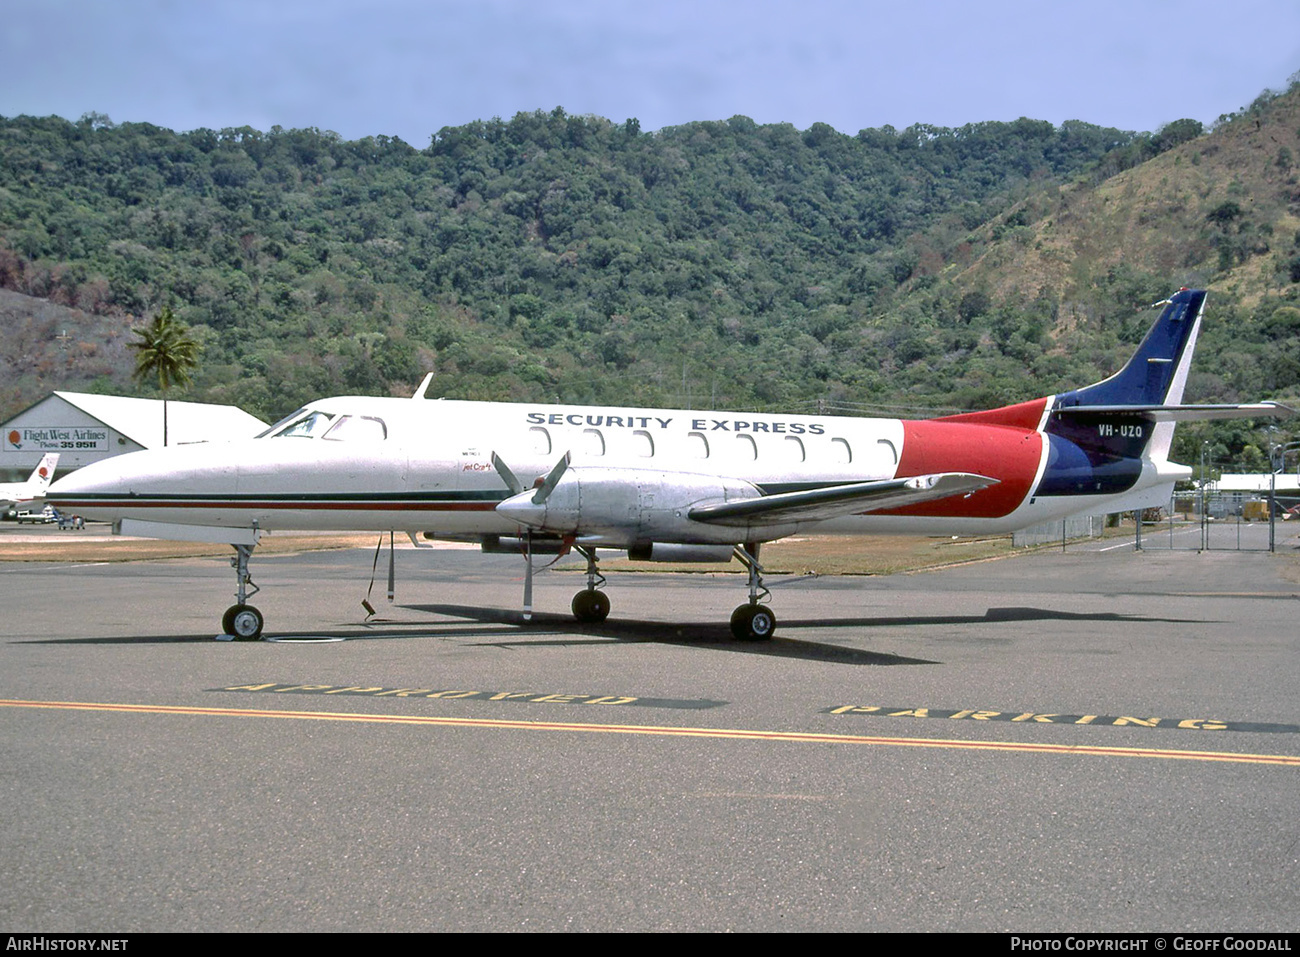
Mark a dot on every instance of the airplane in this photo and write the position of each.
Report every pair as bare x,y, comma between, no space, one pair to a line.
662,484
19,493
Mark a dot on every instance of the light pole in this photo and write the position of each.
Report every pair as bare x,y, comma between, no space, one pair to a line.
1205,516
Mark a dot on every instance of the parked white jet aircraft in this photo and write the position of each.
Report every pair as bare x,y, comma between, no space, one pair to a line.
18,493
669,484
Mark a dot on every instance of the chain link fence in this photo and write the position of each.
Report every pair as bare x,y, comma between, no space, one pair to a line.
1192,521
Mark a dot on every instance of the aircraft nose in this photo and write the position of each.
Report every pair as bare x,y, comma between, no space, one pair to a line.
152,472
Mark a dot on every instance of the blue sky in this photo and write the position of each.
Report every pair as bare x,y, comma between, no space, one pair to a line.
408,68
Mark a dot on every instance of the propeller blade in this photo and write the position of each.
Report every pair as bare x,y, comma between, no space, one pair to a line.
528,575
507,476
548,484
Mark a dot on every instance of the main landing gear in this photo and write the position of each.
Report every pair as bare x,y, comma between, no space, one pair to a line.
242,621
591,605
752,621
749,622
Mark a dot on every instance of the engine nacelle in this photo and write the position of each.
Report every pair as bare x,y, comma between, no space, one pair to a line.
510,545
667,552
625,507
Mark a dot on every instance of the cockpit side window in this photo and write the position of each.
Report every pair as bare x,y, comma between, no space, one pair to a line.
357,428
307,427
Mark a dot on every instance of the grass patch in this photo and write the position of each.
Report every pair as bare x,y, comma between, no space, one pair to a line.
801,555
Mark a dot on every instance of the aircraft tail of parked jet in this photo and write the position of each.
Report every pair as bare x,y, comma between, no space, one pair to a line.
35,485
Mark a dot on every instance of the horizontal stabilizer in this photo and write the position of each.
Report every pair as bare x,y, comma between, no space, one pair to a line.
820,504
1185,413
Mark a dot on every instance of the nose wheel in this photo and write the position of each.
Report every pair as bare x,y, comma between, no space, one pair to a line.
242,621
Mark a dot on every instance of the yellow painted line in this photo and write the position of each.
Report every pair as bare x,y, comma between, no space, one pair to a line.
740,734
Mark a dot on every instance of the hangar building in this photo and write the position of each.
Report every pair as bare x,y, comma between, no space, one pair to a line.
85,428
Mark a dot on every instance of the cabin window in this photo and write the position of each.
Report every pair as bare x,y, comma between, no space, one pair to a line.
841,452
541,440
697,446
357,428
746,447
886,447
794,449
308,427
593,442
643,443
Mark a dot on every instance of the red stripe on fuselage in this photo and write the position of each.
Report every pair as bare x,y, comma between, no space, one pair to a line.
1010,455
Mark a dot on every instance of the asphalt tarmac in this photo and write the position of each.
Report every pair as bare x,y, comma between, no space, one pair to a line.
1092,740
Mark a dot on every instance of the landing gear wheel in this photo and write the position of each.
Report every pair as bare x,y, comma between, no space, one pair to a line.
244,622
753,623
591,606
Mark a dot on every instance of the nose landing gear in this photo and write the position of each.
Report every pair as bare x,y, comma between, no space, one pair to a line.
242,621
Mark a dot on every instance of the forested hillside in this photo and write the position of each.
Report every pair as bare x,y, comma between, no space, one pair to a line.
562,257
546,256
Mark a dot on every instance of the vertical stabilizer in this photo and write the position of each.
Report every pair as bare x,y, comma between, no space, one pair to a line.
43,474
1157,373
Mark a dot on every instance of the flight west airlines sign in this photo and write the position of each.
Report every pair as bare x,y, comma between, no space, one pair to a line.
52,438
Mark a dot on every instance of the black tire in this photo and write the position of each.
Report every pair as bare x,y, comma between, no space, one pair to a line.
591,606
244,622
753,623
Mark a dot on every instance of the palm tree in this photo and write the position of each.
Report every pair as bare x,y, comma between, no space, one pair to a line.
165,350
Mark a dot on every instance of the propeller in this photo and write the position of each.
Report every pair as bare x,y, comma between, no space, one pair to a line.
538,498
523,509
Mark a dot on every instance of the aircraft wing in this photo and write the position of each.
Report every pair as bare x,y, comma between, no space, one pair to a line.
1185,413
820,504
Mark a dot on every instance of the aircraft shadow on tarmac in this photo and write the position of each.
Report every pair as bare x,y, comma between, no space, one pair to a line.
712,634
718,635
514,631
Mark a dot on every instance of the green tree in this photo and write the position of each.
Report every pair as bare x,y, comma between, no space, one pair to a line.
165,351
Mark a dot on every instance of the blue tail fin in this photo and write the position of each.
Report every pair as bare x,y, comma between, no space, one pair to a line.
1102,437
1157,373
1099,435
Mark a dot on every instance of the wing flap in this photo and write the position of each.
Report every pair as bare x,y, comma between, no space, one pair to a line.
816,505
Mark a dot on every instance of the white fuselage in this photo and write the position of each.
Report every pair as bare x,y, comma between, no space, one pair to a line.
420,465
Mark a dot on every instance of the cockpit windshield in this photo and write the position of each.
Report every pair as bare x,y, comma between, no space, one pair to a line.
313,424
308,426
281,423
